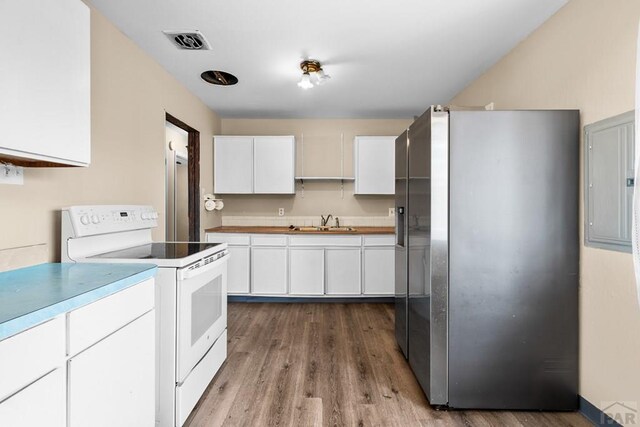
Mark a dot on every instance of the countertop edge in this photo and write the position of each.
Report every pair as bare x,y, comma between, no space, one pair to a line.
27,321
360,231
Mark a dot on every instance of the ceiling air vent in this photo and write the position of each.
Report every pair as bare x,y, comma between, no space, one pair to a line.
188,40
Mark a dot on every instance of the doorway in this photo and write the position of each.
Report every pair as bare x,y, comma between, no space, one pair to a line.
182,175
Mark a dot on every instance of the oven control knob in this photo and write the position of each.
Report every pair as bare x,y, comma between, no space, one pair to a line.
143,215
95,219
84,219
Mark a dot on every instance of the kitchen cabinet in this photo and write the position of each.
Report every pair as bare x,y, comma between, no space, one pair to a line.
374,164
378,271
114,380
274,165
32,370
39,404
254,164
238,268
310,264
319,265
343,271
93,365
114,372
306,271
239,264
269,270
233,165
45,83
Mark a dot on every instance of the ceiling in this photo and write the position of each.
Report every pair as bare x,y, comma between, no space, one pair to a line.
387,58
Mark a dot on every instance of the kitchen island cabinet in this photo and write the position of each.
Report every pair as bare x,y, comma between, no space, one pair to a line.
77,341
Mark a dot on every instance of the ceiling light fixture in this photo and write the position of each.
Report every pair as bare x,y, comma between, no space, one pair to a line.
312,74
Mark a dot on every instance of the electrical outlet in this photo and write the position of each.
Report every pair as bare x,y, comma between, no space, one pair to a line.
10,174
281,212
392,211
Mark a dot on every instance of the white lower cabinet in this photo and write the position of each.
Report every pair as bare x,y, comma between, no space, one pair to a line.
238,270
269,270
379,271
306,271
40,404
309,265
343,271
93,366
113,382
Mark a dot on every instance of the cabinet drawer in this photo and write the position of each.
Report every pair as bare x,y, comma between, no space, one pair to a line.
229,238
43,403
266,240
325,241
91,323
381,240
29,355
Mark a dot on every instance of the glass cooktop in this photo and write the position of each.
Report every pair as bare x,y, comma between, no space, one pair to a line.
164,250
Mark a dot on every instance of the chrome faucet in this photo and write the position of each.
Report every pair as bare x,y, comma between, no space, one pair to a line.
324,221
337,222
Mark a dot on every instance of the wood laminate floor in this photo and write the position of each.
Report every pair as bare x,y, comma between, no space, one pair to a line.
328,365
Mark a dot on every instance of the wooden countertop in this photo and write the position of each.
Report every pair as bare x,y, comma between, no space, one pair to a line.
286,230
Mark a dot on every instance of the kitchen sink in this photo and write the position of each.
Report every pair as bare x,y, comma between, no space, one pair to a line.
324,229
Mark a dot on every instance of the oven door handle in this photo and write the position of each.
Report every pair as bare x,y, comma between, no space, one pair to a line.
186,273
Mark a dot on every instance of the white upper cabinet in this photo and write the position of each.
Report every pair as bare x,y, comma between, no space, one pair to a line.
374,162
274,164
254,164
45,82
233,164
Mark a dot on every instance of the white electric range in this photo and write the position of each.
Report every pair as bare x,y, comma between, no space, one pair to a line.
191,296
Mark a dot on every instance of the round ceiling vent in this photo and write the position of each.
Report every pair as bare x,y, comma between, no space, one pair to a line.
221,78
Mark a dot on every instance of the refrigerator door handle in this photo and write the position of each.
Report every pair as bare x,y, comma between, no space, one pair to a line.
400,226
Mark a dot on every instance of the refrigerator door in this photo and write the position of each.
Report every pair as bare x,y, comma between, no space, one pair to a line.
401,235
513,293
428,253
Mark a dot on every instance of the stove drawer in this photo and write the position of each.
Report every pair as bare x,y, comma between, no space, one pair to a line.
91,323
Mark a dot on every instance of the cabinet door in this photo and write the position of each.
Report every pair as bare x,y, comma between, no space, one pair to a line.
306,272
233,164
343,271
42,403
379,271
45,81
269,271
374,165
113,382
238,272
274,164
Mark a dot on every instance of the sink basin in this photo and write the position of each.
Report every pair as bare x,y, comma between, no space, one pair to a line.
324,229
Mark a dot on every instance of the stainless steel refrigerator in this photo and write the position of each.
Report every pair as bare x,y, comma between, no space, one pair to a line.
487,257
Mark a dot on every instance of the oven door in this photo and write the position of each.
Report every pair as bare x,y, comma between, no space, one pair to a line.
202,312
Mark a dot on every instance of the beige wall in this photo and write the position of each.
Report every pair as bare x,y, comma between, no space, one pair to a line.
318,153
584,58
130,93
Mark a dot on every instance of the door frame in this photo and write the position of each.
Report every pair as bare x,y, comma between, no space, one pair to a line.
193,171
